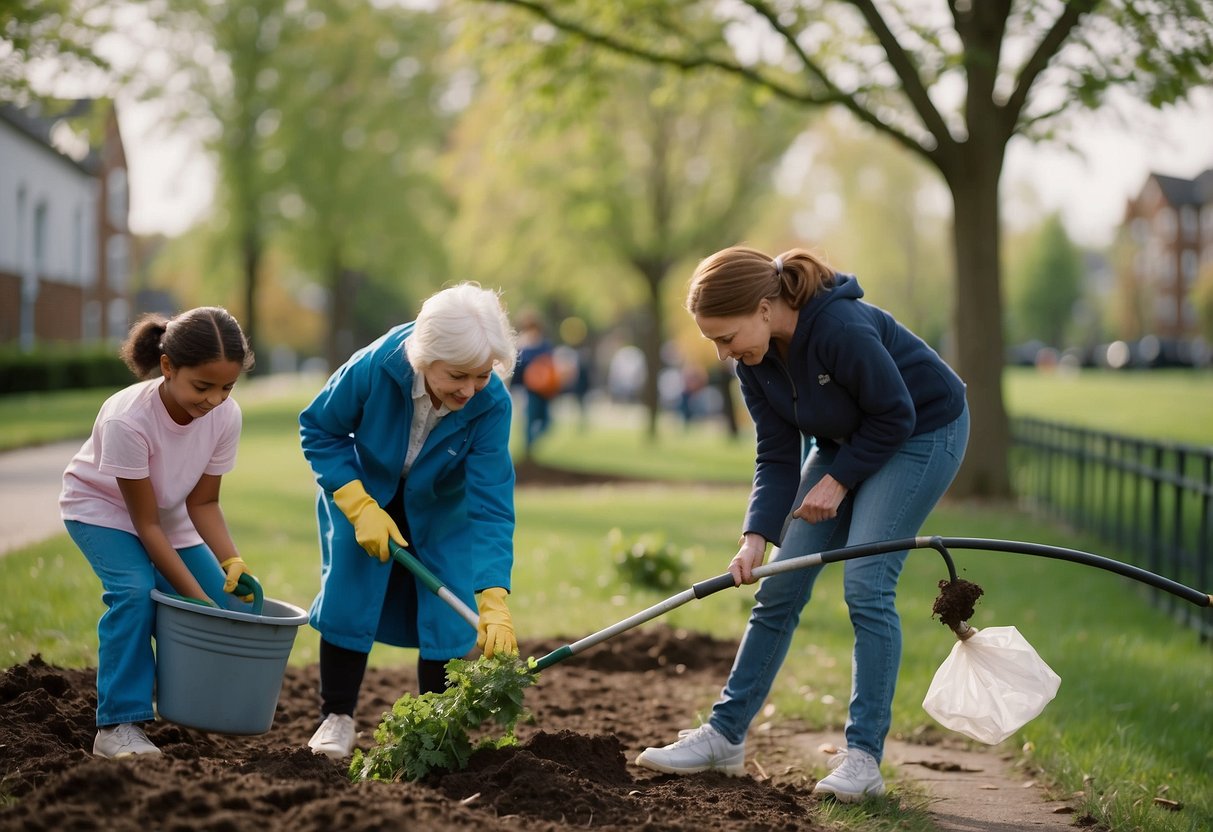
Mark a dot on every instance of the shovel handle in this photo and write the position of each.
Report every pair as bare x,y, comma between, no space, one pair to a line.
432,583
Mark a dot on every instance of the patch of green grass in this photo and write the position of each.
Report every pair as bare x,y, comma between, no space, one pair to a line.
49,604
618,444
1169,405
38,418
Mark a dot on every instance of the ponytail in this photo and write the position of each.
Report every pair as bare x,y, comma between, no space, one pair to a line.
736,280
141,349
195,337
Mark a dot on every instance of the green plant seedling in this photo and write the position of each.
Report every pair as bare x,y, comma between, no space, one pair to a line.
431,731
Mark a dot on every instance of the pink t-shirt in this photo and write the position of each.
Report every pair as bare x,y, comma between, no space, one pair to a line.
134,437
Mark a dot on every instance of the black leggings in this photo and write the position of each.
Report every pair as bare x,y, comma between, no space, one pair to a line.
342,671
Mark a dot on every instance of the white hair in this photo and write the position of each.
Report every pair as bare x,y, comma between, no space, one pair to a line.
465,326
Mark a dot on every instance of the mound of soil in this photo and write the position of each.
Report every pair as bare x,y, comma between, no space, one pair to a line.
591,715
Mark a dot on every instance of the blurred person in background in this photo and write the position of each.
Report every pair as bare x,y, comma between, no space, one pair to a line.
538,375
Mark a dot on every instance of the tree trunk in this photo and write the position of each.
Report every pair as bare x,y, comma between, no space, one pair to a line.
344,283
724,378
251,254
978,353
652,335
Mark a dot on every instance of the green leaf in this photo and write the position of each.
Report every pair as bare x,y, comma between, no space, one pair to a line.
423,733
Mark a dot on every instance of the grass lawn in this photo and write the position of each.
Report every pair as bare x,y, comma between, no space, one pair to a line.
1172,405
37,418
1131,722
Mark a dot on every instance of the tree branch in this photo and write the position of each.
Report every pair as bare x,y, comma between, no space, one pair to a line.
676,60
688,62
1045,51
849,100
911,81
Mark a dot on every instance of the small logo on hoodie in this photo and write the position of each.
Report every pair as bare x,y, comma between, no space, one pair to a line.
823,379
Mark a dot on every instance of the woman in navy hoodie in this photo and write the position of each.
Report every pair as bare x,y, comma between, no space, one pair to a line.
861,428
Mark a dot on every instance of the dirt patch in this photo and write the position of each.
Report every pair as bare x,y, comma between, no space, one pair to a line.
532,473
590,715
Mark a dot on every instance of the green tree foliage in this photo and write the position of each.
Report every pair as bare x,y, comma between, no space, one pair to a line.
642,182
952,83
325,123
1130,306
49,38
224,77
359,121
1050,286
872,209
1202,297
200,267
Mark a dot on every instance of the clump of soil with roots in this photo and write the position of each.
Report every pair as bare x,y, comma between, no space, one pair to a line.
955,602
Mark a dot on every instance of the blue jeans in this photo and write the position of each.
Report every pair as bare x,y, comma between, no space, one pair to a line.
893,503
126,666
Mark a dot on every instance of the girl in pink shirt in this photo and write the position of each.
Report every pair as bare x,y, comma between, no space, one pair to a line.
141,500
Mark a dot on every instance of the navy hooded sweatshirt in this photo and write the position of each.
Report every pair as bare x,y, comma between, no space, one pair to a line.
856,380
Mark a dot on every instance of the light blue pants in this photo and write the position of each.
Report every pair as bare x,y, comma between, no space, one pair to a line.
893,503
126,665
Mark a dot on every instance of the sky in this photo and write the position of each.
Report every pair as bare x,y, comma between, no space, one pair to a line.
1118,149
172,179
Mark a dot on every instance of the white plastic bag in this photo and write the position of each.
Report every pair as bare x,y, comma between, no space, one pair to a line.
990,685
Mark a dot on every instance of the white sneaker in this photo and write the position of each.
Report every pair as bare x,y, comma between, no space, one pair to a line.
125,740
335,737
856,777
701,749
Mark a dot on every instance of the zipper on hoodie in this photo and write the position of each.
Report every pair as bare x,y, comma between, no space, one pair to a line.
792,383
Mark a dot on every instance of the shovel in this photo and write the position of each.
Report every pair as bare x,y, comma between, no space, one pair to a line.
939,544
432,583
721,582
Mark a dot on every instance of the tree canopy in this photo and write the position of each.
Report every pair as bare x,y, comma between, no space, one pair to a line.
952,82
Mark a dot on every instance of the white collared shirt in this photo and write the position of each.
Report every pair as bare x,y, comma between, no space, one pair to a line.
425,417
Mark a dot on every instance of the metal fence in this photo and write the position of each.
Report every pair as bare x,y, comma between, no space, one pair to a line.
1150,502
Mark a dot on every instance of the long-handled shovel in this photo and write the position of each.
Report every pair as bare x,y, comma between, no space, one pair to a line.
433,584
704,588
940,544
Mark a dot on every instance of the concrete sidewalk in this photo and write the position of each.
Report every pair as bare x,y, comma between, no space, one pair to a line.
30,479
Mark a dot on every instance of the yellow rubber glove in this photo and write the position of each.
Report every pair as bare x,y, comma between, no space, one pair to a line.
372,525
496,627
233,568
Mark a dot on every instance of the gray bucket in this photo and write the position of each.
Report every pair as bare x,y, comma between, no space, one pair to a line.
220,670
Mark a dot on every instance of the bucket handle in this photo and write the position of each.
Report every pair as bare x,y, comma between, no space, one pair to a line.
247,584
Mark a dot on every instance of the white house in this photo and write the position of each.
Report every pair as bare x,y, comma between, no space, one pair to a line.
65,248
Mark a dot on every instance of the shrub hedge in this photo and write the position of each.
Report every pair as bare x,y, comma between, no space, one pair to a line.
46,369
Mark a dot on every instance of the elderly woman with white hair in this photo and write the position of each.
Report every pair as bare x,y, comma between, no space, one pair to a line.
409,442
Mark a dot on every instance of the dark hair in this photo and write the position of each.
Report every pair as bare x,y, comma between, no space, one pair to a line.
199,336
735,280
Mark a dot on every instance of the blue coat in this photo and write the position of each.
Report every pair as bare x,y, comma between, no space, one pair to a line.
459,500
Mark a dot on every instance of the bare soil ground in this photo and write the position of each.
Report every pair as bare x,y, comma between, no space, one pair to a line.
591,715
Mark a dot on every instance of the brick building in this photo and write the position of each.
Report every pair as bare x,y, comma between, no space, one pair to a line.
65,246
1170,227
